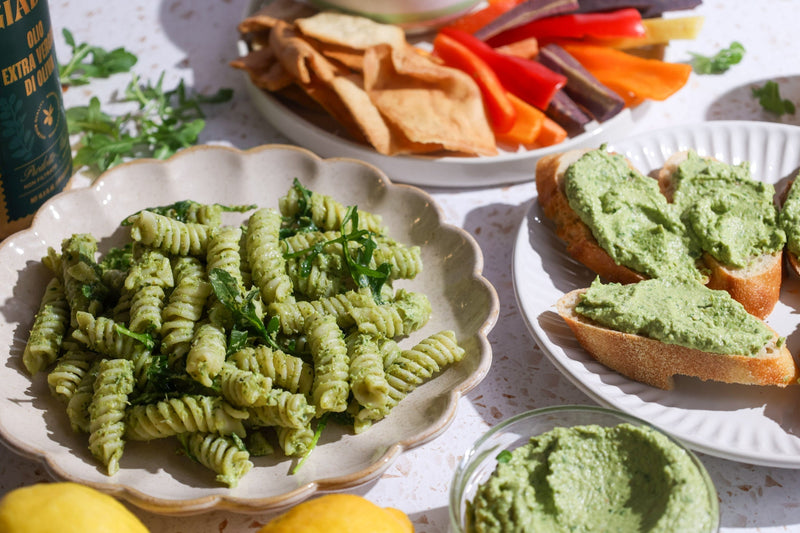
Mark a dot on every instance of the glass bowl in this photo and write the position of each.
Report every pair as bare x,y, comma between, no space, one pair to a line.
480,460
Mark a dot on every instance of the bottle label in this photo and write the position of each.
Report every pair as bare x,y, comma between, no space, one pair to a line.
35,156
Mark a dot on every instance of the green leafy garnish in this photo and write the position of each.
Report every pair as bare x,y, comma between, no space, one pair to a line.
243,309
165,381
103,63
164,122
144,338
357,257
769,97
323,420
302,221
720,62
504,456
119,258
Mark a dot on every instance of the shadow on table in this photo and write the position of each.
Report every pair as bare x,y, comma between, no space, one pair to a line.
740,104
206,31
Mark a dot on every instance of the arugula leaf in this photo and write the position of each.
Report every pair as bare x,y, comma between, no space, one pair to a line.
323,421
243,310
302,221
145,338
357,258
79,69
164,122
769,97
720,62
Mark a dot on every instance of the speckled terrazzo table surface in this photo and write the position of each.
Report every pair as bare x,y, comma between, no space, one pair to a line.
196,39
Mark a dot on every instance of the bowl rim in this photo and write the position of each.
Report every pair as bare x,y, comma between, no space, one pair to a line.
465,466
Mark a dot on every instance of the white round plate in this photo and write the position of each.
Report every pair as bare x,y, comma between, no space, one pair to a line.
323,136
757,425
152,475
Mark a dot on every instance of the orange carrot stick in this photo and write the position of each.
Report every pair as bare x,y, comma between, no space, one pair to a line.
630,76
526,127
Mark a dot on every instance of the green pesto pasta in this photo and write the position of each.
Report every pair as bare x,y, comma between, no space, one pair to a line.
168,235
217,336
207,353
331,364
68,372
286,371
265,257
189,413
113,384
282,408
243,388
47,332
219,453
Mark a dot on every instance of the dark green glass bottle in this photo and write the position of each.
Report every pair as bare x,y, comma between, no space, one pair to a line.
35,156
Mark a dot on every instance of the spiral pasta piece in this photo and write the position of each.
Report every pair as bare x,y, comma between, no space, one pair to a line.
292,315
295,441
103,335
78,404
189,413
219,453
282,408
223,252
243,388
184,307
147,280
81,249
112,386
409,312
207,353
367,379
68,372
267,266
169,235
326,212
330,388
286,371
47,332
405,261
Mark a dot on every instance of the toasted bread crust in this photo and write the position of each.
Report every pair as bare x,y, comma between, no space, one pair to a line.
655,363
580,242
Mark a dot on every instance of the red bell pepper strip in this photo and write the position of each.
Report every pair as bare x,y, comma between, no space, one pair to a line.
527,79
475,20
620,23
500,111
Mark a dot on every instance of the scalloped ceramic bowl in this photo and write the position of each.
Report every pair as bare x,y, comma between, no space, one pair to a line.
480,460
412,15
152,476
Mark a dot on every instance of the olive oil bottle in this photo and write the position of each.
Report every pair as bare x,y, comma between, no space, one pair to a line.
35,156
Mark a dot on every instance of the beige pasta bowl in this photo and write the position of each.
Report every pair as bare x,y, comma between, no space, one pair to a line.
151,475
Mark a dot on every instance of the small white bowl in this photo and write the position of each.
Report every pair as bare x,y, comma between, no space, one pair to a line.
480,461
412,15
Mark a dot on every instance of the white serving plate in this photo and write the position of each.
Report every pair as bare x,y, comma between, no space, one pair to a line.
152,476
323,136
757,425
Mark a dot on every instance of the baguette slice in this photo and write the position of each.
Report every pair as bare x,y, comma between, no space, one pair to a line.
580,242
756,286
655,363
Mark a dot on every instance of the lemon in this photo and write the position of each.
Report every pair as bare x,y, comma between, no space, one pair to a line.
65,508
342,513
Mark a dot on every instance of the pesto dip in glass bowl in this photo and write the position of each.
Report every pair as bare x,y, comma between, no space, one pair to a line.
580,469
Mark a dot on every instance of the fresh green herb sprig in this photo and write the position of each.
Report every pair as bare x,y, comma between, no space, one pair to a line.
247,323
164,122
89,62
720,62
769,96
323,421
302,221
357,257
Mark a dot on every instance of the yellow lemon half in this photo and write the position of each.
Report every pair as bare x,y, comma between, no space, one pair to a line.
342,513
65,508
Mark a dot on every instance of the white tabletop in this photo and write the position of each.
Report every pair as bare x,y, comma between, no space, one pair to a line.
196,40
